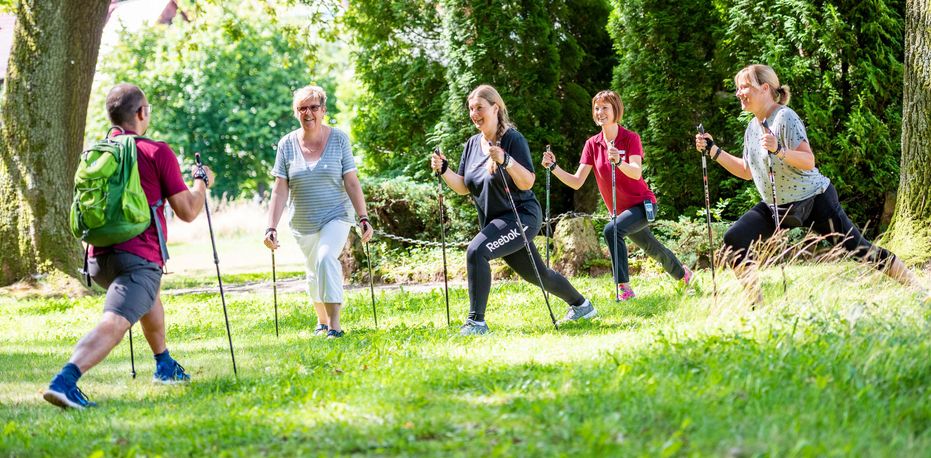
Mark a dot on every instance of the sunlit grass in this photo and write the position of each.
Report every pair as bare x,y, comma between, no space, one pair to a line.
837,365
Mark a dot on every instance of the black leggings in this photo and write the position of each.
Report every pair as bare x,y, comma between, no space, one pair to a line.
633,223
501,238
827,217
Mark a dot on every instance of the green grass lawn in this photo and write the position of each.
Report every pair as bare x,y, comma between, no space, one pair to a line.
838,366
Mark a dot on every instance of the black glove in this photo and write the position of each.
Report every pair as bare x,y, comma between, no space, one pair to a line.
443,167
201,174
709,145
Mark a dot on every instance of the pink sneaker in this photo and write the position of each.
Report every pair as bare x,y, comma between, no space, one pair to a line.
688,276
626,294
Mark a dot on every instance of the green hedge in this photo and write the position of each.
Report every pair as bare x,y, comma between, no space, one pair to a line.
842,59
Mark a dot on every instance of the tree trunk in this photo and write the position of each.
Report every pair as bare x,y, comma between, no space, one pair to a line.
577,247
48,84
910,231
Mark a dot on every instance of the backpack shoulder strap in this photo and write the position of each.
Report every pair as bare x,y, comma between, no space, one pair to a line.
130,142
162,244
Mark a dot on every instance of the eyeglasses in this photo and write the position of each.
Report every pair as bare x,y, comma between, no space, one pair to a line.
313,108
147,109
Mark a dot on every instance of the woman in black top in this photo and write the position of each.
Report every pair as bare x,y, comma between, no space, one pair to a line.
499,145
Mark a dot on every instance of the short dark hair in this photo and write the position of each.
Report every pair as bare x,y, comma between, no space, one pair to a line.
123,101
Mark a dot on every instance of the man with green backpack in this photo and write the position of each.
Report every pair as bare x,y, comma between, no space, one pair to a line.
121,186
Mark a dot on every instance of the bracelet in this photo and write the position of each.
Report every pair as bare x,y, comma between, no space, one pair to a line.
506,162
510,163
780,150
715,157
552,166
271,229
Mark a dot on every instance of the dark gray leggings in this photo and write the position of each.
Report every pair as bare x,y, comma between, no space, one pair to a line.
501,238
633,223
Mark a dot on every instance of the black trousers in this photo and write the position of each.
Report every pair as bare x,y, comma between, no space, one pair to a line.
501,238
827,217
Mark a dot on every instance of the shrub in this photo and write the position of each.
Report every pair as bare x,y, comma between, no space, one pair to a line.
403,207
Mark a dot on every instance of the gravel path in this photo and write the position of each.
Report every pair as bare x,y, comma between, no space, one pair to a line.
292,285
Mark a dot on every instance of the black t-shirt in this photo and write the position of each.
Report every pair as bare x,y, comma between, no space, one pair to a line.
487,190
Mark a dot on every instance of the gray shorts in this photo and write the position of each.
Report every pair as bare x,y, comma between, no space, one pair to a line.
131,281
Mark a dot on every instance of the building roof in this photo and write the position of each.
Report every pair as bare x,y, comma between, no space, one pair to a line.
133,15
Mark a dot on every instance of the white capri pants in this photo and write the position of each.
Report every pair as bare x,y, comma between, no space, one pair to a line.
324,271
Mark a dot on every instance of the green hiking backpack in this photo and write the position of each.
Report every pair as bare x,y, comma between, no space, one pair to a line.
109,204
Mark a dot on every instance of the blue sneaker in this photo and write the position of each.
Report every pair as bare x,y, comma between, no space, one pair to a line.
170,373
66,396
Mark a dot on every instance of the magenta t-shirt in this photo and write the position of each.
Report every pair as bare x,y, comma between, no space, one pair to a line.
160,176
630,192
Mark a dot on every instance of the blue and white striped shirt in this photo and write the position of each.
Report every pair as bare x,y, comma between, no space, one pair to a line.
317,192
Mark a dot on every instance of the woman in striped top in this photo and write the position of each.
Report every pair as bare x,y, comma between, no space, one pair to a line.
315,175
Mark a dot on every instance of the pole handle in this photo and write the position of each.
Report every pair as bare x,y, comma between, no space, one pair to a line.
436,152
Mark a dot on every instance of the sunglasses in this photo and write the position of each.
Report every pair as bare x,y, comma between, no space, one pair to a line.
306,108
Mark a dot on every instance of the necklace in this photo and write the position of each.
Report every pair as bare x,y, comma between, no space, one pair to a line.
307,146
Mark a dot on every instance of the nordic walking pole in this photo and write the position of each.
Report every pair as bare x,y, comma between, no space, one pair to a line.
520,225
704,175
439,192
772,183
132,354
368,257
617,286
202,174
546,222
275,292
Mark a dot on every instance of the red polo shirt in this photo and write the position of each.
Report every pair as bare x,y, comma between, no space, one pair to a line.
160,176
630,192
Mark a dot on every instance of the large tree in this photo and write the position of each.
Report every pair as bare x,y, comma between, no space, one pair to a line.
668,78
48,83
546,59
910,232
419,59
220,86
398,53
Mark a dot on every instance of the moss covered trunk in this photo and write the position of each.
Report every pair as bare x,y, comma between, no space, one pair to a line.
910,231
48,83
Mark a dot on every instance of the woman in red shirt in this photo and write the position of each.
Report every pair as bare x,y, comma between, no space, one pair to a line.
617,145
